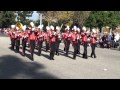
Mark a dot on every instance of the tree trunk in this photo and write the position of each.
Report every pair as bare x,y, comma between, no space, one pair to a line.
80,26
48,23
100,29
90,29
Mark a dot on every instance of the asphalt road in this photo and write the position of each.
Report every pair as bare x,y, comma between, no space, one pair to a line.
14,66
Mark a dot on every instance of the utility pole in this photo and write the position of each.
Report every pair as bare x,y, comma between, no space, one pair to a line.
40,18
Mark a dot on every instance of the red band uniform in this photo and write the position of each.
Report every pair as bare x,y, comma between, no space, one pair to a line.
40,40
52,43
67,38
58,39
93,39
32,39
17,40
85,42
75,44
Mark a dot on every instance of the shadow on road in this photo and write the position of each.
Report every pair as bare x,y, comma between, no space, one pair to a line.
12,67
47,56
61,52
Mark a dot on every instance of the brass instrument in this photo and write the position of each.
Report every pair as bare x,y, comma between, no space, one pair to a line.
20,26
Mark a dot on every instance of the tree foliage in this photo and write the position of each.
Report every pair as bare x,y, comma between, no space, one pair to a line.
7,18
103,18
22,16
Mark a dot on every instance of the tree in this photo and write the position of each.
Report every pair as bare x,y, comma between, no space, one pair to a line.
103,18
64,17
114,19
61,17
7,18
49,16
79,17
91,21
22,16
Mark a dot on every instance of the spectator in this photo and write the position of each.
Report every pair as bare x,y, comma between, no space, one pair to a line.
119,43
112,39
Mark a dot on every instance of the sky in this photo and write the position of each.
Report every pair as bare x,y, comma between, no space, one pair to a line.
35,16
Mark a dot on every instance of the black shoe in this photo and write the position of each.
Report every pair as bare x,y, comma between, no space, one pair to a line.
74,58
91,56
86,57
78,53
50,58
39,54
32,59
95,57
66,54
23,55
83,57
17,51
58,54
53,59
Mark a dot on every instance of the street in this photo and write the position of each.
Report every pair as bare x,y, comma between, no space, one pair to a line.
15,66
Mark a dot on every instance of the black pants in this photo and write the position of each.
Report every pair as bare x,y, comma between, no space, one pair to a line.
52,50
85,50
47,46
13,43
32,47
75,50
39,47
78,50
93,50
17,45
67,45
23,47
57,47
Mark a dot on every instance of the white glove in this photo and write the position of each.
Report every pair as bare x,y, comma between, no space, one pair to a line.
59,36
25,37
41,35
69,36
54,33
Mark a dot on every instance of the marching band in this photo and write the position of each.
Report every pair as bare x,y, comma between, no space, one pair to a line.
52,38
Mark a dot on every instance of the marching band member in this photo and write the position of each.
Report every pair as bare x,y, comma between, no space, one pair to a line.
85,42
13,37
40,38
32,39
58,39
67,38
93,40
46,38
17,39
52,43
10,33
75,39
79,41
24,37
